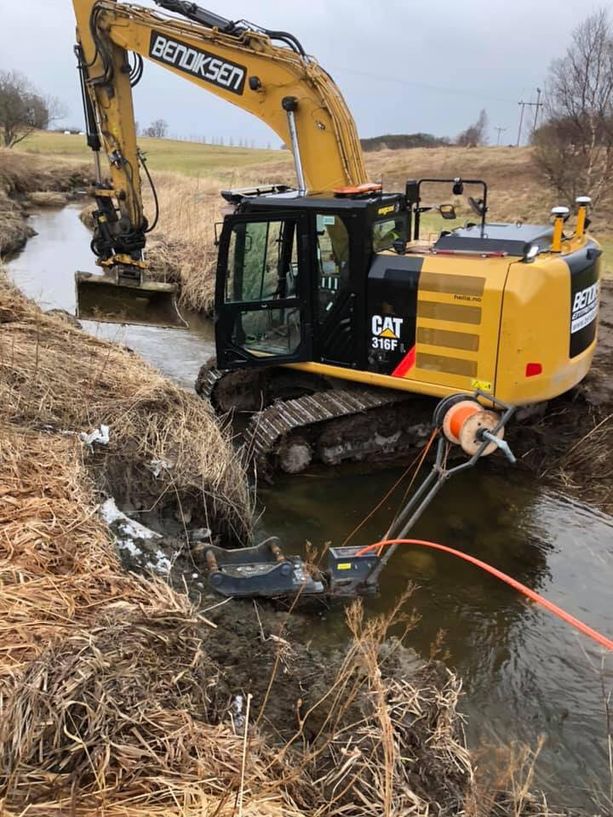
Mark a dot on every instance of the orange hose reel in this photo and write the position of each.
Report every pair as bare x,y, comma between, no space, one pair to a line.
463,422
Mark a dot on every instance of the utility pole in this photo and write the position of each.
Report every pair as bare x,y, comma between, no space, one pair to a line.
499,132
536,105
521,121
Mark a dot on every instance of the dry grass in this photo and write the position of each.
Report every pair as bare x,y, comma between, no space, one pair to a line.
105,690
110,704
48,199
55,377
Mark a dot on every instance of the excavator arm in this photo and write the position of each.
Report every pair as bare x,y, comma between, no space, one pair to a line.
266,73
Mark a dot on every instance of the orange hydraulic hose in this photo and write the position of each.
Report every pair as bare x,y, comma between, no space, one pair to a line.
526,591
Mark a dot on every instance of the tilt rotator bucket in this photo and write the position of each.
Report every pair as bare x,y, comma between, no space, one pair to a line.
102,298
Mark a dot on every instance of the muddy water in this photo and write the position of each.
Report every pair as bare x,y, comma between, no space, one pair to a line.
45,272
525,673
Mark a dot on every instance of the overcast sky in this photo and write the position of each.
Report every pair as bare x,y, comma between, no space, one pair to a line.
403,65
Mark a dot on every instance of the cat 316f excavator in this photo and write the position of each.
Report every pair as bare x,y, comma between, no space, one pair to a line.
331,311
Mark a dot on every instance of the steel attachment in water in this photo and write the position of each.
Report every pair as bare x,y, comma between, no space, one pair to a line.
474,422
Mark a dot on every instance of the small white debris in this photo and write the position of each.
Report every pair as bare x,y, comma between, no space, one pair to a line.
98,435
199,535
236,713
163,562
157,466
130,538
130,528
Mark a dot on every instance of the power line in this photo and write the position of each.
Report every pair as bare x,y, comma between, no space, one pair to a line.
424,85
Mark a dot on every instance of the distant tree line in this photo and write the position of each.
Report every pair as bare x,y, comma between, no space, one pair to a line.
474,136
400,141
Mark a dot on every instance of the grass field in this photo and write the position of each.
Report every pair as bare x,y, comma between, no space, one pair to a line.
188,158
516,189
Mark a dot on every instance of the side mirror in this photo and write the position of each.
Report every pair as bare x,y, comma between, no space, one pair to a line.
447,211
477,206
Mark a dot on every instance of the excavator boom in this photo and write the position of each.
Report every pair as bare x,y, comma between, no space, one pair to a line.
266,73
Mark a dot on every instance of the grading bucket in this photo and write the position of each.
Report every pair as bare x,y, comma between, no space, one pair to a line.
101,298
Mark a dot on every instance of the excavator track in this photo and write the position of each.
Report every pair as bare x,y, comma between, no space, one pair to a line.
275,430
330,425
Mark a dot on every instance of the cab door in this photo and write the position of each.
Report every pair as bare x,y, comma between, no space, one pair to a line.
262,295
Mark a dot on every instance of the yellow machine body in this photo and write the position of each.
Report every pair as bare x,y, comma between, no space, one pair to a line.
495,324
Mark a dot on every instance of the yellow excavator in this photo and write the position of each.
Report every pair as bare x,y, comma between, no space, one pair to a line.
331,311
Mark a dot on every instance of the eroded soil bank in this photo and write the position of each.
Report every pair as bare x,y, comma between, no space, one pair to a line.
32,181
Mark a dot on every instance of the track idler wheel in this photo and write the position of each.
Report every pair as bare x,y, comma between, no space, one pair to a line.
294,455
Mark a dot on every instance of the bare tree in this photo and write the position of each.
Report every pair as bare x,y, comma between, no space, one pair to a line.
574,147
22,109
158,129
475,134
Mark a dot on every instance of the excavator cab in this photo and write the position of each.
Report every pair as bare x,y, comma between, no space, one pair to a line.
262,289
292,273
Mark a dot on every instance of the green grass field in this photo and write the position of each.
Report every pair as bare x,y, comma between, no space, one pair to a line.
189,158
224,164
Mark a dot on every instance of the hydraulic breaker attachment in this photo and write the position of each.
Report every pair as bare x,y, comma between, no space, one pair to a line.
113,299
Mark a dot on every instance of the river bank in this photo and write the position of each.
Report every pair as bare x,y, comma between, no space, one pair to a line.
32,181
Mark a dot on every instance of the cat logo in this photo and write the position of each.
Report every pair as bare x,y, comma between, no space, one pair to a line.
385,332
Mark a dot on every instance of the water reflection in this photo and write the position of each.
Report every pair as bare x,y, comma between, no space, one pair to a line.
525,673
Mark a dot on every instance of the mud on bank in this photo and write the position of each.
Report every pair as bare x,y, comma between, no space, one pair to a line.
28,181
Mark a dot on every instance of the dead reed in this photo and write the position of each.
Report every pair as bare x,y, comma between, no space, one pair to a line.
55,377
110,702
107,699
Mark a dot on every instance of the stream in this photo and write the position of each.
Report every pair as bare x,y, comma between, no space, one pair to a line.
525,674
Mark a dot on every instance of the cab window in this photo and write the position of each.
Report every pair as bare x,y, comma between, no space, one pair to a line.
332,260
263,268
388,230
262,261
